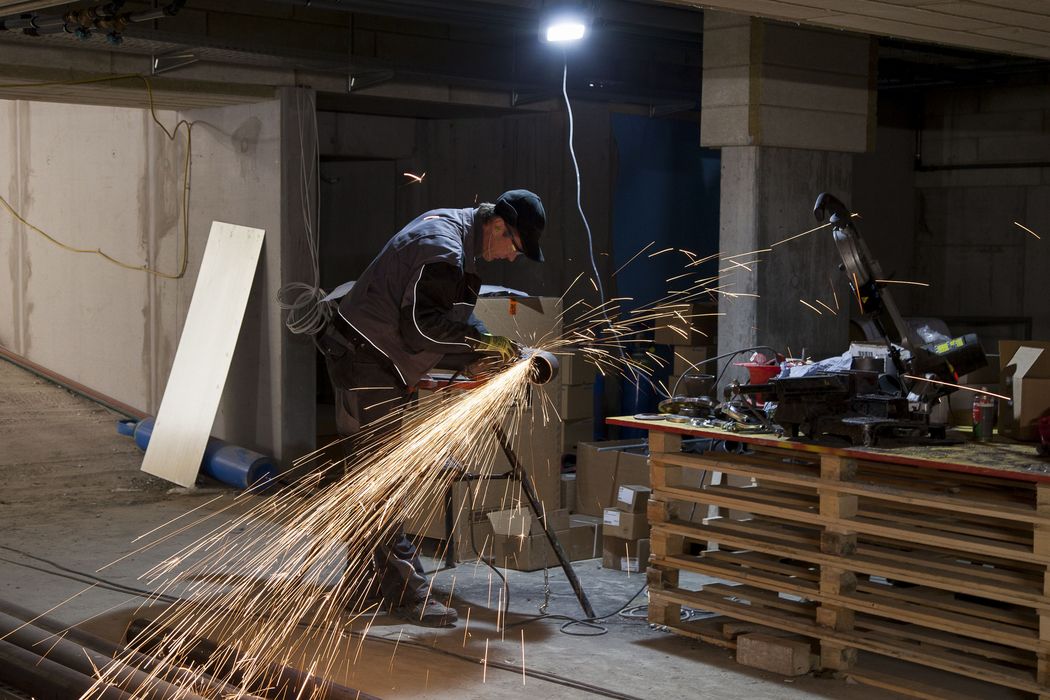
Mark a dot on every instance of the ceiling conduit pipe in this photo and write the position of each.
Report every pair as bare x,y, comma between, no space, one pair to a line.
81,22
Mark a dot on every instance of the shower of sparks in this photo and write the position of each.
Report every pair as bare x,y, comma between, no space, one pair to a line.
415,179
523,674
396,644
466,629
485,663
916,284
619,269
958,386
834,294
800,235
288,577
833,311
856,288
1037,236
812,307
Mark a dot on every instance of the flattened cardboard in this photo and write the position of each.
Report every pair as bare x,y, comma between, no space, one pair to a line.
1026,371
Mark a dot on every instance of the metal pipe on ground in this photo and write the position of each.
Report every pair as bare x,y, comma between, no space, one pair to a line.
112,650
285,682
43,678
86,661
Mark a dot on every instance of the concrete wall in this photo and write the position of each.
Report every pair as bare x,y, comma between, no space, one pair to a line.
953,169
107,178
95,178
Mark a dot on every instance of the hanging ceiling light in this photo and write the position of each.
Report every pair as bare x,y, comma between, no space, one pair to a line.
565,23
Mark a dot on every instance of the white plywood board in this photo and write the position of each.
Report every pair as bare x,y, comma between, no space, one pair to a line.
205,351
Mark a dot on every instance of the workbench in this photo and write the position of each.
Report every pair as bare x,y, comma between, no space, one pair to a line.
936,555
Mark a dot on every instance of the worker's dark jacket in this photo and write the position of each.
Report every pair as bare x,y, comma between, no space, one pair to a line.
414,304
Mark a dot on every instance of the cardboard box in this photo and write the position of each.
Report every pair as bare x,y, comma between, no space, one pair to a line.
687,355
485,495
538,445
577,402
528,553
633,467
633,498
691,325
576,368
1026,374
625,555
518,522
601,467
626,526
585,537
576,431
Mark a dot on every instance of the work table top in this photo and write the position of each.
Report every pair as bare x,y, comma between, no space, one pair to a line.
1000,458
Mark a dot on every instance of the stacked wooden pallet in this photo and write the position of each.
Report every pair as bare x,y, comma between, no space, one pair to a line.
928,564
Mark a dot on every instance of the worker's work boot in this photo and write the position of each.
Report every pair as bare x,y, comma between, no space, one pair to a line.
429,613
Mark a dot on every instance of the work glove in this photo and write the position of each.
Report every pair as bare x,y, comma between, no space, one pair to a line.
508,350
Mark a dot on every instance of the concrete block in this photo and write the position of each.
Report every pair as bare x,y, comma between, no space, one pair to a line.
729,85
812,129
1014,148
786,86
1014,98
725,126
944,148
991,177
949,101
781,655
997,123
727,47
719,20
818,49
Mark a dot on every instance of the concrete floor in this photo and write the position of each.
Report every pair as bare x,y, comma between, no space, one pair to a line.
72,499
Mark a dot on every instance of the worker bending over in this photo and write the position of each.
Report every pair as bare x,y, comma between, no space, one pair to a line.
411,307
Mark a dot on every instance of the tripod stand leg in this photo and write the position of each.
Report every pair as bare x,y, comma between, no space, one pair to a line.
530,494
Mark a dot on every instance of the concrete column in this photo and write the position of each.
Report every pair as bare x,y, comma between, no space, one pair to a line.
767,196
787,106
294,406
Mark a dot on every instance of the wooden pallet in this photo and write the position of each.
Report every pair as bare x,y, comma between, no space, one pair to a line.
933,566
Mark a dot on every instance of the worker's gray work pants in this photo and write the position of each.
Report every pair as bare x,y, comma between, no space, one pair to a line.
378,403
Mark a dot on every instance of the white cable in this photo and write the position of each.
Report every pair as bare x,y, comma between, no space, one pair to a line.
302,300
576,167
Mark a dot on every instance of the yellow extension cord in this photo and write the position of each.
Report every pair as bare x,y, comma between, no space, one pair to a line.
185,180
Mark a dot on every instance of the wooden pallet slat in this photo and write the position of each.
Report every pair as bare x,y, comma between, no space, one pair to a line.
910,556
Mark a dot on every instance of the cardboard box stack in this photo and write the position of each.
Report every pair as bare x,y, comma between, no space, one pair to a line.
602,467
519,542
625,530
536,443
577,399
471,502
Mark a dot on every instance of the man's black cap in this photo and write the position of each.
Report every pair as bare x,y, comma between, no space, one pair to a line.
524,211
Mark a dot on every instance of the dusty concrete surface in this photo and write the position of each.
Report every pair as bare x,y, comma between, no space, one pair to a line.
74,502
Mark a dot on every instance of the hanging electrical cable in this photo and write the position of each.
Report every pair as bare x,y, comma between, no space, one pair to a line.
171,134
307,312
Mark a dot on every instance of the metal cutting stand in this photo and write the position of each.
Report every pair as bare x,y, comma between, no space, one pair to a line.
517,472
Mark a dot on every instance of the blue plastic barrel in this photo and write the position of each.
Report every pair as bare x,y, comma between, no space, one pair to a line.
232,465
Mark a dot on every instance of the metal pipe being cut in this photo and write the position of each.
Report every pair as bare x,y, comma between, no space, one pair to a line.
544,367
